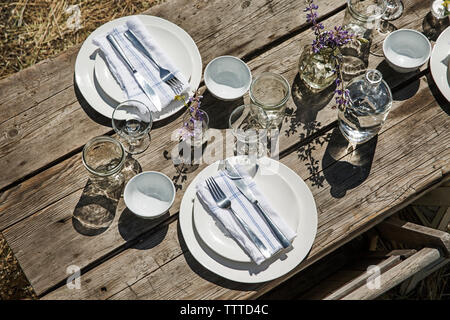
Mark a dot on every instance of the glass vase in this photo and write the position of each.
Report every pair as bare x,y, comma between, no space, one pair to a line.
317,70
371,100
192,141
194,130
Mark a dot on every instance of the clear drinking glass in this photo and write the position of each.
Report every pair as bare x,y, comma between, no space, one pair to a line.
132,121
271,91
361,18
394,9
436,21
249,126
104,158
370,103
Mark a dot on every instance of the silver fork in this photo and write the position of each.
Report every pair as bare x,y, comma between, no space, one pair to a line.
164,74
223,202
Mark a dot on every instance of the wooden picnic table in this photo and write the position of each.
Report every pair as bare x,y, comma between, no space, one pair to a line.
45,122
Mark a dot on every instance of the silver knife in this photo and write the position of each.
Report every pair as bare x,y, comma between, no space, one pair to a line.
139,78
245,190
137,43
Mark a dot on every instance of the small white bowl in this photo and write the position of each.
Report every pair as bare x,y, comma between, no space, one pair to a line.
227,78
149,194
406,50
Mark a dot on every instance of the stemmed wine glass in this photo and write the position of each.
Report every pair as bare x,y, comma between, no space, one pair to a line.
132,121
394,9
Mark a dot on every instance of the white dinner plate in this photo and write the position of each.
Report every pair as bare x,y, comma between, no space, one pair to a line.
439,63
249,272
283,199
101,90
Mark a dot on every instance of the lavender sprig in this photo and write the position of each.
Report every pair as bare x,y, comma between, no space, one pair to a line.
192,127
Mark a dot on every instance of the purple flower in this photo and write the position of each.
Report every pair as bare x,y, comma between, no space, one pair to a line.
330,39
192,126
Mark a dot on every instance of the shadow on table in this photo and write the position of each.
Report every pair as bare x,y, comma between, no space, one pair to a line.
91,112
96,209
131,226
440,99
308,104
187,161
343,168
219,111
433,27
303,118
394,78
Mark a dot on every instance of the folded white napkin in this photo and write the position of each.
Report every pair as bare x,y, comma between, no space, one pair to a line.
123,74
247,212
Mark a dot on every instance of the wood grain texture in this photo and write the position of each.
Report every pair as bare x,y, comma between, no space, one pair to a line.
49,121
19,202
38,219
361,280
76,244
339,219
417,235
397,274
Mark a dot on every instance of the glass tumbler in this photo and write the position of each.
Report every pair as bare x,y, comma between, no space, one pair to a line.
104,158
394,9
249,126
271,91
132,121
361,18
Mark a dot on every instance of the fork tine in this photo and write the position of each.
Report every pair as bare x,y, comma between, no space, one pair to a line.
211,190
172,86
216,189
221,194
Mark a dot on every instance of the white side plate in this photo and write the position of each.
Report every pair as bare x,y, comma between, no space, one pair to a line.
249,272
101,90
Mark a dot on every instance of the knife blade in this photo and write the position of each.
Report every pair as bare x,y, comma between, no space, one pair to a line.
245,190
143,84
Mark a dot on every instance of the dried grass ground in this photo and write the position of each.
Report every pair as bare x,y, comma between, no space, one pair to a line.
31,31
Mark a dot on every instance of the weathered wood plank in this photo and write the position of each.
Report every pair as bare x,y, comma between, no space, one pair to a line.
195,288
351,214
64,213
17,136
22,233
397,274
362,279
414,234
38,143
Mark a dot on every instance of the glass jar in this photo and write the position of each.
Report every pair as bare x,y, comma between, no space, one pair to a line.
271,91
361,18
104,158
248,124
317,70
370,102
